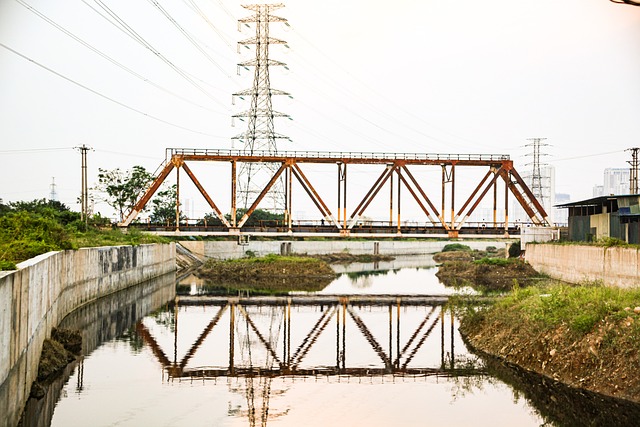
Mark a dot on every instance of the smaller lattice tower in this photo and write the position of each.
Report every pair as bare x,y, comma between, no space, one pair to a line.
260,135
53,194
538,183
633,172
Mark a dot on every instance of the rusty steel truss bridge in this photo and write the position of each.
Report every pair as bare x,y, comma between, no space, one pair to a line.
443,213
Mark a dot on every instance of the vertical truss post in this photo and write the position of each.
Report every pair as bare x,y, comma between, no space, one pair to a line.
444,176
495,204
506,203
398,171
391,199
178,165
453,194
339,193
342,194
289,188
234,187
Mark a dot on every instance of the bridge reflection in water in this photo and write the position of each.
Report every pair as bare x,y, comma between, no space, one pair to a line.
310,336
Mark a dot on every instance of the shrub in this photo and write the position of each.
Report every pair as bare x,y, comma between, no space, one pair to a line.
455,247
515,249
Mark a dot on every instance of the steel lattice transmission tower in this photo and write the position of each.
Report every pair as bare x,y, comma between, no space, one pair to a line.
537,185
260,134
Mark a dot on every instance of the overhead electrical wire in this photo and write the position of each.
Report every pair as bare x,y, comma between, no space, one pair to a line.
189,37
105,56
406,112
196,9
95,92
126,29
29,150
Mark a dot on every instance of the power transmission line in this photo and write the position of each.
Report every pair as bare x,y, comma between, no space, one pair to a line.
121,25
188,36
105,56
95,92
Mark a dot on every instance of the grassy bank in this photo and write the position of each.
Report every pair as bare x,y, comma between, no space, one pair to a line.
28,229
271,273
585,336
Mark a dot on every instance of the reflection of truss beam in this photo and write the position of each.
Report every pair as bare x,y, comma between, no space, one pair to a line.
290,364
367,333
451,165
155,348
421,342
414,335
202,337
312,336
329,371
266,343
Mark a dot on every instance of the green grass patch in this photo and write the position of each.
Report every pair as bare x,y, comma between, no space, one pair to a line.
495,261
579,307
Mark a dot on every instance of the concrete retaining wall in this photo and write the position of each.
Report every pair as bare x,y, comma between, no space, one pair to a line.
231,249
44,289
613,266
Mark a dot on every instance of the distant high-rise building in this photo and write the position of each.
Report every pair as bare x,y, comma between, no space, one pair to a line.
616,181
561,216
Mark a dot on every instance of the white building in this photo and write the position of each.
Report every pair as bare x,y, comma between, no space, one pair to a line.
615,182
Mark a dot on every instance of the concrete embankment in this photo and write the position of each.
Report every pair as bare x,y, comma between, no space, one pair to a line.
37,296
612,266
230,249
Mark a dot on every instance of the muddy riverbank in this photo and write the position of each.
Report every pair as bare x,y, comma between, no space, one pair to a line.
585,337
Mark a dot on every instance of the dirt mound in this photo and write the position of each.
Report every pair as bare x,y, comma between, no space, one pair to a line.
271,274
494,274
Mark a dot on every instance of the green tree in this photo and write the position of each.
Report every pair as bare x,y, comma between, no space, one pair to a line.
164,206
51,209
123,188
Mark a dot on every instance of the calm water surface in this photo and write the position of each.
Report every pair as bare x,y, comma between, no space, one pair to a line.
289,365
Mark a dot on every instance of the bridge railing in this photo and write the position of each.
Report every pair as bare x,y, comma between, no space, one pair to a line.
334,155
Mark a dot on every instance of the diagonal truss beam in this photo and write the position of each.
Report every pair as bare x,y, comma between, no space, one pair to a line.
526,197
263,193
314,196
146,196
206,196
480,197
371,194
424,196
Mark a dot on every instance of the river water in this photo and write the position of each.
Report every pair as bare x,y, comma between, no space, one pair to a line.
380,360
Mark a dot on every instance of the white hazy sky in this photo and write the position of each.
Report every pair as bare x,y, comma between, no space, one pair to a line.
404,76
